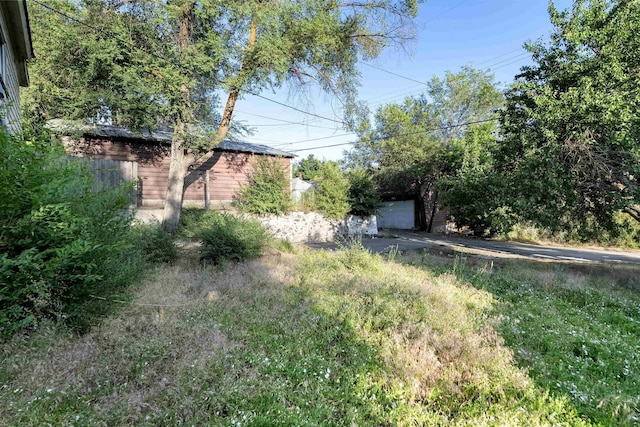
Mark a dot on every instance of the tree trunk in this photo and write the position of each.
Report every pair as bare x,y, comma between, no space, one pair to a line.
223,127
175,184
428,206
180,163
178,166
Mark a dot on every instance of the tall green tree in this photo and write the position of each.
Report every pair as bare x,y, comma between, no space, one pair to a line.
308,167
413,145
332,190
569,154
192,46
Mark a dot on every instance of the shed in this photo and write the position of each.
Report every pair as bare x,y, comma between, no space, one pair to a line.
216,180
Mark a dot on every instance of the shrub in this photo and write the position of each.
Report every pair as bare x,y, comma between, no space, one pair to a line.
156,245
331,198
231,238
65,248
268,189
362,196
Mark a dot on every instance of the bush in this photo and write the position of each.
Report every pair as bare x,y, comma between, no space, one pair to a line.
331,198
156,245
362,196
65,248
231,238
268,189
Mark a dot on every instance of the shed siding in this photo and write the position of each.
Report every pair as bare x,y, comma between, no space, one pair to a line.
11,104
227,171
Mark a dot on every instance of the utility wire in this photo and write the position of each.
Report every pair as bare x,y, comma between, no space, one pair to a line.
383,138
284,122
296,109
393,74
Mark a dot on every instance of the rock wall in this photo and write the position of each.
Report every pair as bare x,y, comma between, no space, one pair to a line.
300,227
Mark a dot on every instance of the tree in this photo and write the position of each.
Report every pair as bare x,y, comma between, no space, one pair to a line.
363,200
331,197
412,144
190,46
268,189
308,167
472,192
569,154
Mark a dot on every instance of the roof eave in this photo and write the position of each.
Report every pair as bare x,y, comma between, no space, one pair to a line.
20,36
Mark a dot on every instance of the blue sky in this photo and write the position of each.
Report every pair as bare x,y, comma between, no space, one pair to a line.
451,33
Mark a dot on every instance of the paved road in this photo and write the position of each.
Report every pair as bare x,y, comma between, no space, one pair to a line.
407,240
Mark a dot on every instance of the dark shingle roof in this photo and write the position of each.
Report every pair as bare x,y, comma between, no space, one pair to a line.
245,147
164,137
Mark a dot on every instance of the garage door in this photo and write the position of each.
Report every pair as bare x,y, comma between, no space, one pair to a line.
397,214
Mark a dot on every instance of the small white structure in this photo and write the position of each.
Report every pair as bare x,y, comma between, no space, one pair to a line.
299,186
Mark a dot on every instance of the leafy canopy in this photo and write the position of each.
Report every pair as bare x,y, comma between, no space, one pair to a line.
569,154
413,145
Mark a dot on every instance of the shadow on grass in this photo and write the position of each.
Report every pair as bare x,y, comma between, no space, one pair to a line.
572,326
292,365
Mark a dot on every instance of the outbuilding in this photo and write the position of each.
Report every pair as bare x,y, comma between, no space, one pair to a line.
144,157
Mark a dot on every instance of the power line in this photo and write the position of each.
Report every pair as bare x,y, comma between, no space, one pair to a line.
400,135
322,146
314,139
499,56
296,109
285,122
445,12
394,74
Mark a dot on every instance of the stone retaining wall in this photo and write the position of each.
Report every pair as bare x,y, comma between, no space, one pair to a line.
300,227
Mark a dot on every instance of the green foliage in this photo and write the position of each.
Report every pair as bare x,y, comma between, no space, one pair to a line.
329,338
331,197
569,155
587,351
363,199
62,244
412,144
267,191
308,167
231,238
125,72
625,235
193,221
154,243
471,192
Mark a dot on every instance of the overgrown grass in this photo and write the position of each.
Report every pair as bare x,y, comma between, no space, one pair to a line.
575,329
318,338
626,236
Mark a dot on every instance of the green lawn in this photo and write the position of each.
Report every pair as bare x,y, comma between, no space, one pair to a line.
342,338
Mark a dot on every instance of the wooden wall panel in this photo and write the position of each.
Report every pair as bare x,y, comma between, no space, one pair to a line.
227,170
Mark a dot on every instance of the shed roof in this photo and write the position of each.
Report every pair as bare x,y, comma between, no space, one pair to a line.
157,136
